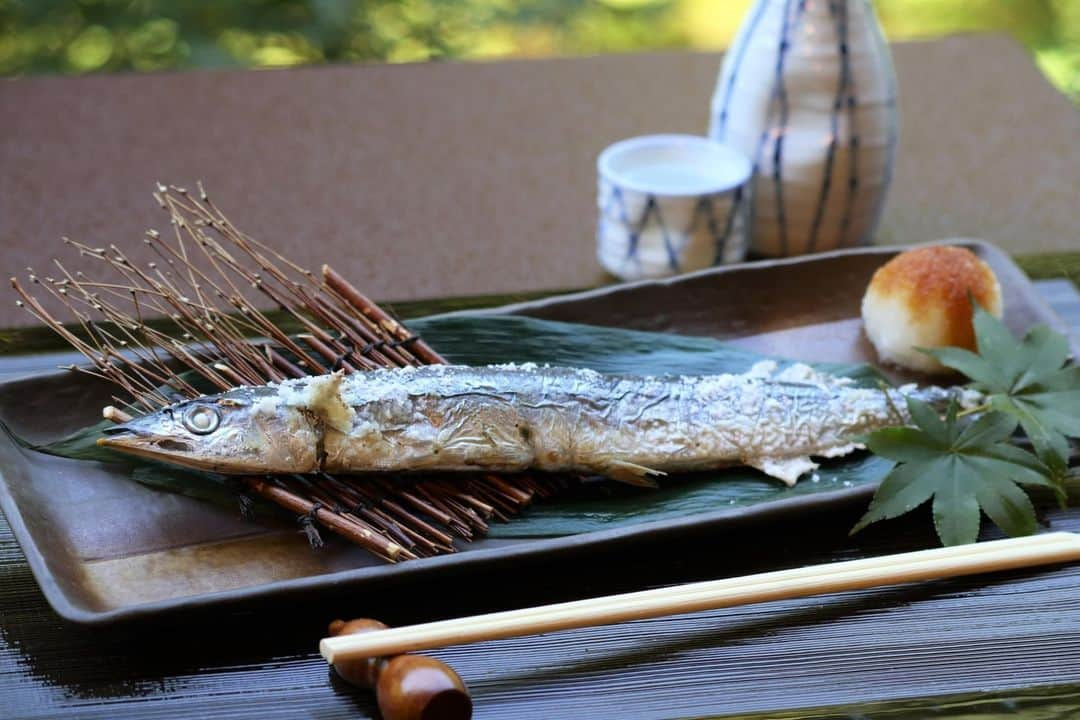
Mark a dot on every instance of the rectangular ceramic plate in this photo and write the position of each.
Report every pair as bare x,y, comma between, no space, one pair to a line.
104,548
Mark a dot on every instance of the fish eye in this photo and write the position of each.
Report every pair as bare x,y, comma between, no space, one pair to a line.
201,419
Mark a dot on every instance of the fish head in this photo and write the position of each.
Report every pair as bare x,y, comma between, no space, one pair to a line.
241,431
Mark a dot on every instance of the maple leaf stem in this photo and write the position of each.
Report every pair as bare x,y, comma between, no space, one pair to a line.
971,411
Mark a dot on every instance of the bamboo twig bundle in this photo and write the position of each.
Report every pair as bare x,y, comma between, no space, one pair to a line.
202,278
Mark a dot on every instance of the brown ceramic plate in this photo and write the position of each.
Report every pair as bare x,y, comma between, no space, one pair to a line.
104,548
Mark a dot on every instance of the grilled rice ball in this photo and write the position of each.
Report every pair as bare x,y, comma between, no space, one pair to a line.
920,298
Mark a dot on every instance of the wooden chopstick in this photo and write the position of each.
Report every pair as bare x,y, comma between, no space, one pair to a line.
915,566
695,589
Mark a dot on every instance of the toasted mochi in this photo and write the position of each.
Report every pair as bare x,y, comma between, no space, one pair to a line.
920,298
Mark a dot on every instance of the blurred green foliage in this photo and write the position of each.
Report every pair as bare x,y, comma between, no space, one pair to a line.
78,36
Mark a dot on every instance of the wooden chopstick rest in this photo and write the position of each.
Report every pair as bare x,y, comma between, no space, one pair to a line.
407,687
916,566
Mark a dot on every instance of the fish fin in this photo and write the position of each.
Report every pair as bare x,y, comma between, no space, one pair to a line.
632,473
787,470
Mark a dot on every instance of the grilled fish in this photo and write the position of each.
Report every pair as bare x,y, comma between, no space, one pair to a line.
518,417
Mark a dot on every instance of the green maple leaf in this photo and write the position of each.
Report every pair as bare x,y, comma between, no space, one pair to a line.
964,466
1027,380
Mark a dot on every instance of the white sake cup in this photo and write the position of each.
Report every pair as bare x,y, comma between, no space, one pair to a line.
669,204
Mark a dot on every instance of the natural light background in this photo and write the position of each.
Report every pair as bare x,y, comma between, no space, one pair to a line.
77,36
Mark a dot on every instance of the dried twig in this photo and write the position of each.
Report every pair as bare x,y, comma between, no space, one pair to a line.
203,279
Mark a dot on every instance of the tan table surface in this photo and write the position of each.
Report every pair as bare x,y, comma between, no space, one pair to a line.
451,179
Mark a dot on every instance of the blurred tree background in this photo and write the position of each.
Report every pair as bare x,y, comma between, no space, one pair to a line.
80,36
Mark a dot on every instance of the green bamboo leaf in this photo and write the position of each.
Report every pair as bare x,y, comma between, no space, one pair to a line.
484,339
597,506
82,445
601,505
594,506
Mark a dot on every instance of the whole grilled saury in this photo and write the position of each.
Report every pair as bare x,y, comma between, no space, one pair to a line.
519,417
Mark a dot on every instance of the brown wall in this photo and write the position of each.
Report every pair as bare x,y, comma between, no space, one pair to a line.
449,179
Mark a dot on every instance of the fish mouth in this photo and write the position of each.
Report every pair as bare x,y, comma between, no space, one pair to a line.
165,448
157,447
137,442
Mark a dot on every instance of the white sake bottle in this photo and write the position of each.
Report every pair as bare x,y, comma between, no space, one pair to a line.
808,92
